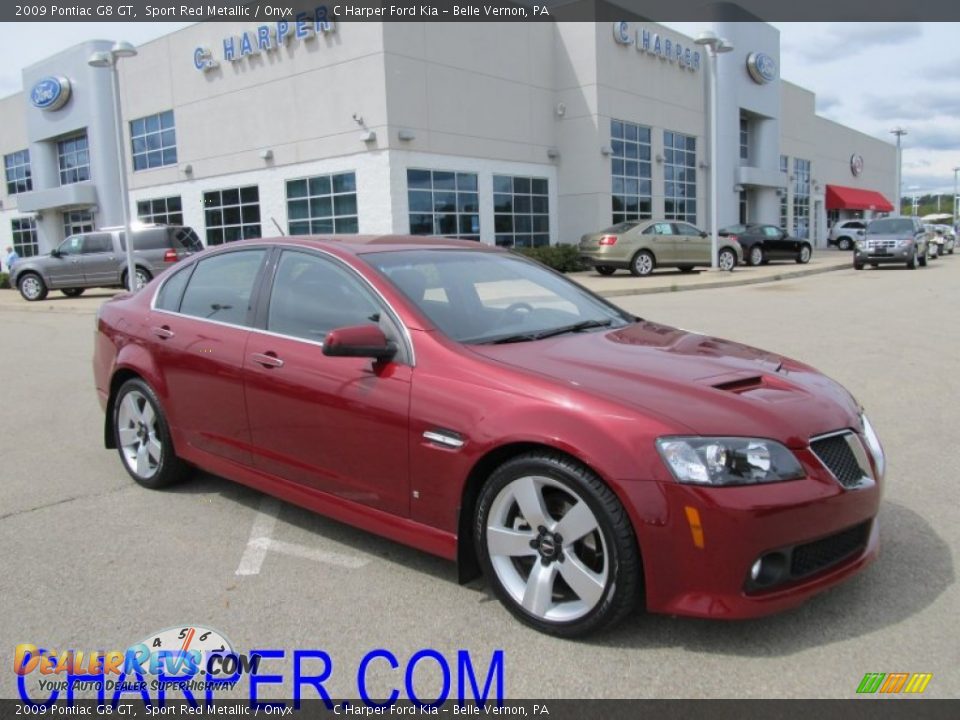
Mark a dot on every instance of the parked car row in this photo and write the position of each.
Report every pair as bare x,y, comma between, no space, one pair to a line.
902,240
641,246
99,259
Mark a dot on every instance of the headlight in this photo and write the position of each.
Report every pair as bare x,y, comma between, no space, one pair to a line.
861,244
728,460
873,444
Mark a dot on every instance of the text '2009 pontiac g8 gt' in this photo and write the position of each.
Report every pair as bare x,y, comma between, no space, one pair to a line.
476,405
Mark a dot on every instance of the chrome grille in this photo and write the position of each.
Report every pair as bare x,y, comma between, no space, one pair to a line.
837,454
882,244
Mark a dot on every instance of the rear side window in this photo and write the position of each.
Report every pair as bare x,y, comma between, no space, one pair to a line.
97,243
150,239
221,287
169,296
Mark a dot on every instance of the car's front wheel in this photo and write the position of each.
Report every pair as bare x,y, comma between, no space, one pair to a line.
143,437
32,287
756,255
914,258
605,269
556,545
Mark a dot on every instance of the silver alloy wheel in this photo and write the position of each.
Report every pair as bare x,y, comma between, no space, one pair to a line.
142,278
31,288
137,435
805,254
844,244
756,255
546,547
726,261
643,264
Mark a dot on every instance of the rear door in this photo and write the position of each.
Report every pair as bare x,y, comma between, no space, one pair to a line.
199,330
694,248
335,424
664,243
99,259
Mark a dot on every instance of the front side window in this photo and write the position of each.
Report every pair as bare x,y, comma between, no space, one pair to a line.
679,177
631,172
221,286
73,155
312,296
153,141
232,214
25,237
323,204
443,203
521,208
163,211
16,167
73,245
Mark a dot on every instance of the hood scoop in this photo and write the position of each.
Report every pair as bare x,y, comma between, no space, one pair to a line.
741,385
766,388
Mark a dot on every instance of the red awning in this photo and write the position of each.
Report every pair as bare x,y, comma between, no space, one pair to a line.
848,198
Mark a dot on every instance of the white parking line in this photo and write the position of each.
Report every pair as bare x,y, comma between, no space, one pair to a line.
261,541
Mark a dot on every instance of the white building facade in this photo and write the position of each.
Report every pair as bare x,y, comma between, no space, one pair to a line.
518,134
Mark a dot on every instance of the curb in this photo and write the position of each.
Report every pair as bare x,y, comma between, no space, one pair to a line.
788,275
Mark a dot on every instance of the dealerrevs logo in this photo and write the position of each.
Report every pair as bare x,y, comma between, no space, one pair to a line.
193,663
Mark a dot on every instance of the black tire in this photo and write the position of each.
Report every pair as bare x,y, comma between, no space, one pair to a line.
755,255
857,265
32,287
730,261
611,545
912,262
642,264
73,292
143,277
844,243
685,268
806,252
922,260
605,269
157,472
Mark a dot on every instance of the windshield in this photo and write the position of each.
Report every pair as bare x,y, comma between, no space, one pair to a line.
891,226
478,297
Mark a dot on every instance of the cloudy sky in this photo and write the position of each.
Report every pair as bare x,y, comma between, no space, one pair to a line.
870,76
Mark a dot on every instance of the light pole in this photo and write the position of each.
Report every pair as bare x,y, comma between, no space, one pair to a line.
108,59
714,46
899,132
955,219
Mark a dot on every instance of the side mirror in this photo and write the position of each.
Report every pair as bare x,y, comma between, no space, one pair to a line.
703,233
55,253
359,341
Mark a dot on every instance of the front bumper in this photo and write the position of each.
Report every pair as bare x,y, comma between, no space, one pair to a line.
874,256
806,520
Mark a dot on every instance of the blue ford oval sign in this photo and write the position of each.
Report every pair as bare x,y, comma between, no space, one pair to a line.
50,93
762,68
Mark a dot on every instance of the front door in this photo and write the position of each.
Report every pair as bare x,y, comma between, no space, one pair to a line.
694,248
66,267
99,261
334,424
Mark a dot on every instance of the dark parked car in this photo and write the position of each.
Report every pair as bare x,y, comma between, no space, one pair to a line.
763,243
99,259
476,405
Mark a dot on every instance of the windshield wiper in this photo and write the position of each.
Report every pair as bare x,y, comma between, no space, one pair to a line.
563,330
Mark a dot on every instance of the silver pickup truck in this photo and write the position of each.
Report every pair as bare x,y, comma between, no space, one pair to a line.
98,259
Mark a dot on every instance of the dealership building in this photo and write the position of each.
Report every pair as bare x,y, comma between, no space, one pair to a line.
510,133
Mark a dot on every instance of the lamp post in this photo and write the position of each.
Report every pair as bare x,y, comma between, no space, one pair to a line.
714,45
899,132
955,219
109,59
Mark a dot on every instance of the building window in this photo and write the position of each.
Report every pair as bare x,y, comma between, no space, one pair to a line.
444,203
323,204
154,141
73,155
232,214
164,211
680,177
744,140
17,168
521,209
25,237
784,168
801,198
630,169
76,222
742,217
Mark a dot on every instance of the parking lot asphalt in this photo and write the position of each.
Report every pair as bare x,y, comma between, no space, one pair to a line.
93,561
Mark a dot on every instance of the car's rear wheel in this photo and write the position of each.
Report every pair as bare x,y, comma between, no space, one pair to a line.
922,259
755,257
642,264
143,277
32,287
143,437
556,545
73,292
803,257
605,269
726,260
844,243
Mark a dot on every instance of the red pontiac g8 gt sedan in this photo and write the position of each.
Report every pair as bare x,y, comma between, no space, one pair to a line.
476,405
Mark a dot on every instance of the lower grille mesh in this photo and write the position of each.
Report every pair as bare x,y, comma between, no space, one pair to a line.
821,554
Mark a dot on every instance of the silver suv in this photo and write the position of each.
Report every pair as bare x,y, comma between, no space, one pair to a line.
845,233
99,259
893,240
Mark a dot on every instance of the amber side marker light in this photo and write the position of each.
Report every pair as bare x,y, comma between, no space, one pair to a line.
696,529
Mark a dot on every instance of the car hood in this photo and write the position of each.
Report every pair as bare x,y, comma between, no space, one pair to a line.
706,385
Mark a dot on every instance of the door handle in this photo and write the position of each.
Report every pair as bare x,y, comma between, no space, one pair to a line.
164,332
267,359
